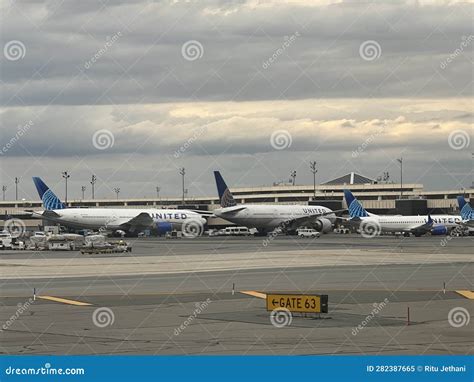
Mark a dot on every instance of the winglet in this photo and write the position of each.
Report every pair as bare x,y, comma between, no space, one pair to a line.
49,199
225,196
430,220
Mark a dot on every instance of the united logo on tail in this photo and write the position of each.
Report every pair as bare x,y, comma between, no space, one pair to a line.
225,196
49,199
355,208
466,211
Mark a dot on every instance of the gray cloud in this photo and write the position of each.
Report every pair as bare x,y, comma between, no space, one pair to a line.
145,64
264,67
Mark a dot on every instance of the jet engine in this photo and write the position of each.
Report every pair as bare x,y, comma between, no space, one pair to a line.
323,225
439,230
163,227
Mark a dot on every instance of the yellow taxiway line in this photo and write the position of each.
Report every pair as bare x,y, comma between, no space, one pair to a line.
64,300
466,293
254,293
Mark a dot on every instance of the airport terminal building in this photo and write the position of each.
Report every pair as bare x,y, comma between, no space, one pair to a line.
377,196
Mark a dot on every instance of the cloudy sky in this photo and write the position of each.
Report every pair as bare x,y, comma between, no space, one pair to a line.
132,91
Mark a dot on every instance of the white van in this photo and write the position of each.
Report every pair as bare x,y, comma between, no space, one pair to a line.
237,231
307,232
5,240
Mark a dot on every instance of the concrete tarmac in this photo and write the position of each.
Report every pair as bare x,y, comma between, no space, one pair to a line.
171,308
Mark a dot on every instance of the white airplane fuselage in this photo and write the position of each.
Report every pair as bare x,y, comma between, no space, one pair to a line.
389,223
268,217
113,218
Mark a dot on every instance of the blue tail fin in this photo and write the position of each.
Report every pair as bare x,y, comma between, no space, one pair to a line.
225,196
467,212
50,201
355,208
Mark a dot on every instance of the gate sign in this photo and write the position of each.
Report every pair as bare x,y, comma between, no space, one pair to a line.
298,302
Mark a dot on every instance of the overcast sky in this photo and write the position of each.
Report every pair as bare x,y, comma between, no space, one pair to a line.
131,91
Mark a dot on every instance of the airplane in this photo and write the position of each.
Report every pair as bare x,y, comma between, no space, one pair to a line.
467,212
416,225
265,218
130,220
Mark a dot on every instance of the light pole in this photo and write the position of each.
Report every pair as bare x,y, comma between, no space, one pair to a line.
314,170
117,191
293,176
17,180
182,171
158,192
401,176
93,180
83,189
66,176
4,189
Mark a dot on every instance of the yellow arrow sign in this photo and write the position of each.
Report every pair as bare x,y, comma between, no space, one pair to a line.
298,302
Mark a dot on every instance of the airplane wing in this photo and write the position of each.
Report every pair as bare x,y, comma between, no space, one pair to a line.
204,214
46,215
306,220
233,210
423,227
142,220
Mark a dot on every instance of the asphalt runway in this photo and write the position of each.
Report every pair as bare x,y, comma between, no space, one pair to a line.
204,245
371,283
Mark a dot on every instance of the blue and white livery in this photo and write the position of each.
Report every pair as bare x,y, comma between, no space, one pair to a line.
466,211
416,225
50,201
131,220
267,217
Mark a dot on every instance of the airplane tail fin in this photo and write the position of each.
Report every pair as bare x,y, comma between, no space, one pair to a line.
467,212
355,208
225,196
49,199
